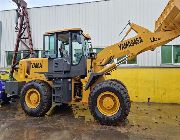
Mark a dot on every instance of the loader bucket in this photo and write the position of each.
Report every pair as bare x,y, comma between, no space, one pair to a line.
170,18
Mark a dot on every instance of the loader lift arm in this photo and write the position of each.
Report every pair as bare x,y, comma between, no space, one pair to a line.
167,28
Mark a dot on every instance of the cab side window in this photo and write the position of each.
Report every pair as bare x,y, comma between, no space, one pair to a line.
49,45
63,45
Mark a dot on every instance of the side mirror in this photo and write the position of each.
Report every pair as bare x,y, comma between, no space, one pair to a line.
92,55
78,38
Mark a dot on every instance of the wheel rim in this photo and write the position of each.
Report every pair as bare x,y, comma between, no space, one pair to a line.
108,103
32,98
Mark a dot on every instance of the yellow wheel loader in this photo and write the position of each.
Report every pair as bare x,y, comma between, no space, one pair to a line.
70,73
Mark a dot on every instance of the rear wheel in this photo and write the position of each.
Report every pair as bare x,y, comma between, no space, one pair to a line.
109,102
36,98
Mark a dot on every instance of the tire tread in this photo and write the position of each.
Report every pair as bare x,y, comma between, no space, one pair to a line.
120,89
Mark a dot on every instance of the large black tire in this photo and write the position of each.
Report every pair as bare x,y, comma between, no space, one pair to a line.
119,90
120,83
45,103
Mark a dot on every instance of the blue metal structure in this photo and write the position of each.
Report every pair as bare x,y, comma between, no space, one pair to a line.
0,37
3,95
2,90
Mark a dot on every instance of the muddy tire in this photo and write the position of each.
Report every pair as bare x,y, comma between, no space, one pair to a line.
109,102
125,88
115,80
36,98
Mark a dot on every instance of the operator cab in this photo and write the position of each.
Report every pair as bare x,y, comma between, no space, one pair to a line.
67,52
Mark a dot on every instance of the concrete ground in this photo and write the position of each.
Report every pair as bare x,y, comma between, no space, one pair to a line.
145,122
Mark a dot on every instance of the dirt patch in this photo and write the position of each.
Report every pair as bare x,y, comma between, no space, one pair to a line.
145,121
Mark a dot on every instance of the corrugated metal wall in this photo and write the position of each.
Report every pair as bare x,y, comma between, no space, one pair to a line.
102,20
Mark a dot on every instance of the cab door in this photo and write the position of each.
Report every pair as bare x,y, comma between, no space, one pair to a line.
79,64
62,62
69,59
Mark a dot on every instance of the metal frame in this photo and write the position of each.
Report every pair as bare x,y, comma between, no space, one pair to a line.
23,26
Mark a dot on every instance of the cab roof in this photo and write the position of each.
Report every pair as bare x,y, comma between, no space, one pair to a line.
67,30
63,30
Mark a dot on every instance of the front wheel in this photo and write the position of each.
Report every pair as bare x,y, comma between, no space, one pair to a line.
36,98
109,102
